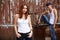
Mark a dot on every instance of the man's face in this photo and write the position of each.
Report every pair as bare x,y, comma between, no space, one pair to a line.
50,6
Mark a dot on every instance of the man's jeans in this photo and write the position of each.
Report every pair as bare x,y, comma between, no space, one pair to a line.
52,33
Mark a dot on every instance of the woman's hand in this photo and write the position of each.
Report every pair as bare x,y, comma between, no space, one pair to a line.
30,34
18,35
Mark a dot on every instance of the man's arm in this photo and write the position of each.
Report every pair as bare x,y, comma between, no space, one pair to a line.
56,17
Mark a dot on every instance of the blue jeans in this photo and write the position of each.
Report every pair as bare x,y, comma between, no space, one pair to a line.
24,36
52,33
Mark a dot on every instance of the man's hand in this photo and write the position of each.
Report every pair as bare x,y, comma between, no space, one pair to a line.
54,27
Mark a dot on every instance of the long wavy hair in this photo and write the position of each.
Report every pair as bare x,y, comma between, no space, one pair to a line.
21,12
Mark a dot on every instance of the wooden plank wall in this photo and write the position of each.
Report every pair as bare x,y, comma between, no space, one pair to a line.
8,8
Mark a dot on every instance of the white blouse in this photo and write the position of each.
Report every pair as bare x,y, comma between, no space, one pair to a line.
23,26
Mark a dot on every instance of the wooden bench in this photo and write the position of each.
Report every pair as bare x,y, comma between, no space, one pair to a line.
42,30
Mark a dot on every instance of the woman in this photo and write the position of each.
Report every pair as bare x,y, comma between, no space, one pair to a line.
22,24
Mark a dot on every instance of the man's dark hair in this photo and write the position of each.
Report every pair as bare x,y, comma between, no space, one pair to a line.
47,4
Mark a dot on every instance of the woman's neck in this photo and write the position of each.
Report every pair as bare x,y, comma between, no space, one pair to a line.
23,16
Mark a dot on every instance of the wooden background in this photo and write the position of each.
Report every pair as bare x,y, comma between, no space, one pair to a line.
8,8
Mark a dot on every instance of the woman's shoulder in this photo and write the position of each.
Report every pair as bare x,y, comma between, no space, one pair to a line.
29,15
16,16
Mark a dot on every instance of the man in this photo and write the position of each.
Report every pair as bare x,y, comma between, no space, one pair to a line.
51,19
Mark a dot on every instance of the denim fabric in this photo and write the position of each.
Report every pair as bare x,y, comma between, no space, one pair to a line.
24,37
52,33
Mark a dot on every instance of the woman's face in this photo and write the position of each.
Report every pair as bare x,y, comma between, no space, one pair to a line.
24,9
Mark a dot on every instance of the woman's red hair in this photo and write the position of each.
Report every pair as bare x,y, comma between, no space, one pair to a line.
21,12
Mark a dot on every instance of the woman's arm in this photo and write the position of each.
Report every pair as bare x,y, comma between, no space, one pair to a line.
15,25
30,25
